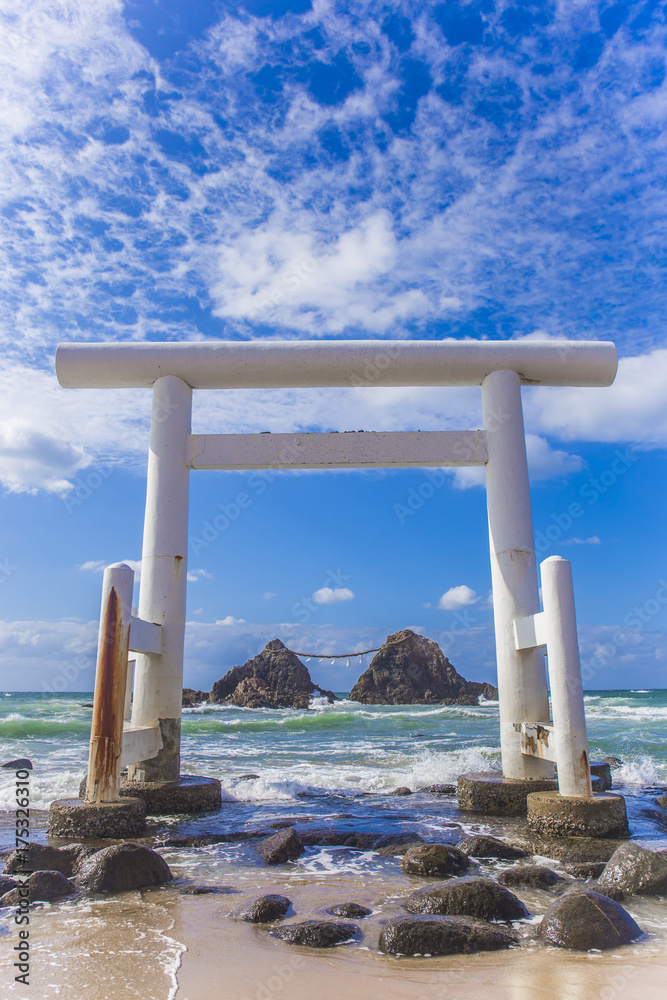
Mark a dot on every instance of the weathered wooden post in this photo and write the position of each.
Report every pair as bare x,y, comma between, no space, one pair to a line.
106,731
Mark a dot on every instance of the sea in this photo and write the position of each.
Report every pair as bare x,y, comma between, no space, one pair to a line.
334,766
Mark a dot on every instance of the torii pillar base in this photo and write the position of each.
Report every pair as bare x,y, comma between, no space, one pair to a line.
554,815
490,793
97,820
191,793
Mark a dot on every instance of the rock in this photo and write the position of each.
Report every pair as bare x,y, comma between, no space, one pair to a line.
192,698
614,762
208,890
574,849
402,790
412,670
423,935
353,911
19,764
601,769
43,887
439,789
317,933
267,908
122,867
533,876
286,845
275,678
582,920
634,869
247,777
481,846
434,859
7,883
41,857
586,869
399,843
662,801
471,897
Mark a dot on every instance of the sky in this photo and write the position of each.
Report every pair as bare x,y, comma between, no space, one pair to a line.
248,169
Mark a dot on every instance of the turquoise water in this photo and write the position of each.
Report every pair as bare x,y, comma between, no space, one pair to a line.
336,759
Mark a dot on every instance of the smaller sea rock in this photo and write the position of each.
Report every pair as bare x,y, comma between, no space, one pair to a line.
207,890
439,789
634,869
43,887
317,933
267,908
662,801
41,857
19,764
586,869
481,846
434,859
7,883
352,911
286,845
583,920
614,762
399,843
468,897
533,876
423,935
122,867
402,790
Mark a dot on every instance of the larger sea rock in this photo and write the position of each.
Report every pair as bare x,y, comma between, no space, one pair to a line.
412,670
275,678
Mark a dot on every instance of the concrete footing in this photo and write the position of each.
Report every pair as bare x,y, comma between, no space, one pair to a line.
489,792
190,794
87,820
554,815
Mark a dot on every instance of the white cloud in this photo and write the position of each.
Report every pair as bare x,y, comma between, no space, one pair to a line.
198,574
32,459
230,620
329,595
93,566
268,595
593,540
632,410
457,597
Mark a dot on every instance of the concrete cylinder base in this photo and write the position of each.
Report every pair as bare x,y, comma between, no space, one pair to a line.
554,815
190,794
88,820
489,792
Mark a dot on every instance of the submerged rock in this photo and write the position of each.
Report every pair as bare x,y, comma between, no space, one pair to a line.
267,908
41,857
471,897
353,911
122,867
7,883
533,876
286,845
586,869
208,890
275,678
422,935
43,887
438,789
317,933
391,845
412,670
634,869
583,920
434,859
402,790
481,846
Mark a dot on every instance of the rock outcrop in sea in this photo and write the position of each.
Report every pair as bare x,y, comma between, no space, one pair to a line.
275,678
412,670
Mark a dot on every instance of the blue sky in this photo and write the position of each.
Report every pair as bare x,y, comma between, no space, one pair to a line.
238,170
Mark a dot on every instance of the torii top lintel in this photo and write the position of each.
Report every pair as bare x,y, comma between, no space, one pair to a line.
297,364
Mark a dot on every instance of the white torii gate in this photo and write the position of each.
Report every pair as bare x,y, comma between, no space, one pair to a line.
173,370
